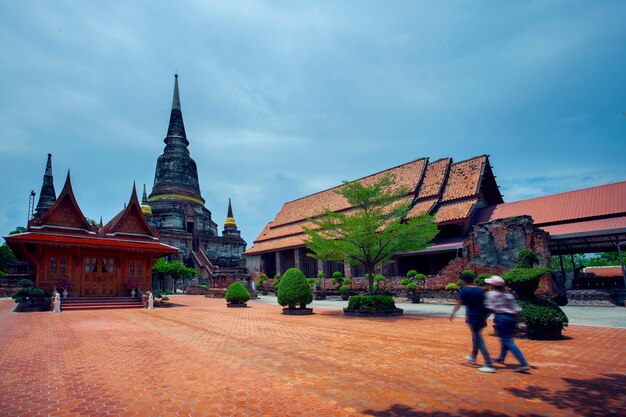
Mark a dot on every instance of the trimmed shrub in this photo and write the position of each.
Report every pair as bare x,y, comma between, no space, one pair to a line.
371,303
345,288
480,280
337,275
237,293
451,287
411,273
379,278
277,277
294,289
469,272
544,319
25,283
405,281
419,277
525,281
321,275
526,258
411,286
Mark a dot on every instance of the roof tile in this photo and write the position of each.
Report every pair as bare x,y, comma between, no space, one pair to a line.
464,178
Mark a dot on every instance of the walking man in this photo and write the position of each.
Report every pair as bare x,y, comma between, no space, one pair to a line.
473,298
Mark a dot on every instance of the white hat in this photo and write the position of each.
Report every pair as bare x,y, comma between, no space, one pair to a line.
495,281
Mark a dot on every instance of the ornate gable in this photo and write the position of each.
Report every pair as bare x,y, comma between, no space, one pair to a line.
130,221
64,213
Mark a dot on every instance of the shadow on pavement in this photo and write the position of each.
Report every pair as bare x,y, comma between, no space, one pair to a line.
399,410
603,396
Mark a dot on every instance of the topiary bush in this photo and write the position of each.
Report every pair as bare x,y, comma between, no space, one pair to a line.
524,281
544,319
35,296
237,293
469,272
372,303
451,287
294,289
480,280
411,273
337,274
526,258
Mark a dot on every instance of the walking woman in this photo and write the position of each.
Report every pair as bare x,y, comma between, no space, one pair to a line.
505,311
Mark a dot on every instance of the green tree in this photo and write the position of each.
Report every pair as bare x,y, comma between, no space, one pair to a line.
372,233
175,270
6,257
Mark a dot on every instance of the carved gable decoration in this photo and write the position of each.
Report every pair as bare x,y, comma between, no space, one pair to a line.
65,212
130,221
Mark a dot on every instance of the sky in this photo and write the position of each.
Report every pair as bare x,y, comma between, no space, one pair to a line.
283,99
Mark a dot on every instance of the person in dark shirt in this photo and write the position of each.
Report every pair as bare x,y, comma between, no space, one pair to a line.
473,298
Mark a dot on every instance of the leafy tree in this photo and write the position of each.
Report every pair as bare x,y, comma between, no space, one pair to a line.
372,233
175,270
19,229
6,257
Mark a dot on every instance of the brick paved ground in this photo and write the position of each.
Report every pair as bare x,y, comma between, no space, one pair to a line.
202,359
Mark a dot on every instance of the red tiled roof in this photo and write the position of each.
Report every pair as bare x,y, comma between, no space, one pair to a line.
464,178
421,207
434,178
455,211
604,200
98,242
429,182
406,175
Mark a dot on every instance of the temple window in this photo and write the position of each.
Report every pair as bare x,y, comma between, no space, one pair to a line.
53,265
108,265
62,265
91,265
136,268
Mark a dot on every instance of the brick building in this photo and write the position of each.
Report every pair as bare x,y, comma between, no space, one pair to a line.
477,229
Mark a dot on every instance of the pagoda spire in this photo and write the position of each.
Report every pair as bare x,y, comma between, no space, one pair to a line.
176,130
144,198
176,173
230,226
47,196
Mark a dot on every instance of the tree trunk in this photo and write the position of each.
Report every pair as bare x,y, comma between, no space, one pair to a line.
370,280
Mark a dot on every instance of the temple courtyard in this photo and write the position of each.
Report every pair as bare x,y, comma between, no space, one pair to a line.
200,358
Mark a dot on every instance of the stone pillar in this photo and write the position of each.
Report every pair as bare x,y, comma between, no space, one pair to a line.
279,266
347,269
297,258
320,268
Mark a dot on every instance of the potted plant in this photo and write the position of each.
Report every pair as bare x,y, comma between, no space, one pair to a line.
412,283
379,285
237,295
295,293
65,285
315,287
342,284
134,286
161,297
260,284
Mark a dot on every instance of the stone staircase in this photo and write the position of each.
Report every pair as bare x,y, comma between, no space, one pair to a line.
99,303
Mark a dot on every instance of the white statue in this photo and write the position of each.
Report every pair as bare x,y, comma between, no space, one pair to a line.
150,301
57,302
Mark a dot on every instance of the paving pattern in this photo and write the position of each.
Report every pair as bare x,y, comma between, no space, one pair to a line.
200,358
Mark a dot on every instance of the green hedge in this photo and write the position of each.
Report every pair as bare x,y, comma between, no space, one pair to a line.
525,281
543,318
371,303
236,293
294,290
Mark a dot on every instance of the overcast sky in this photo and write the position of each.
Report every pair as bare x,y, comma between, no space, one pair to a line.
284,99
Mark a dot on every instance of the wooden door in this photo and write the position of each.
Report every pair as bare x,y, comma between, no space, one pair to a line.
108,282
91,277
